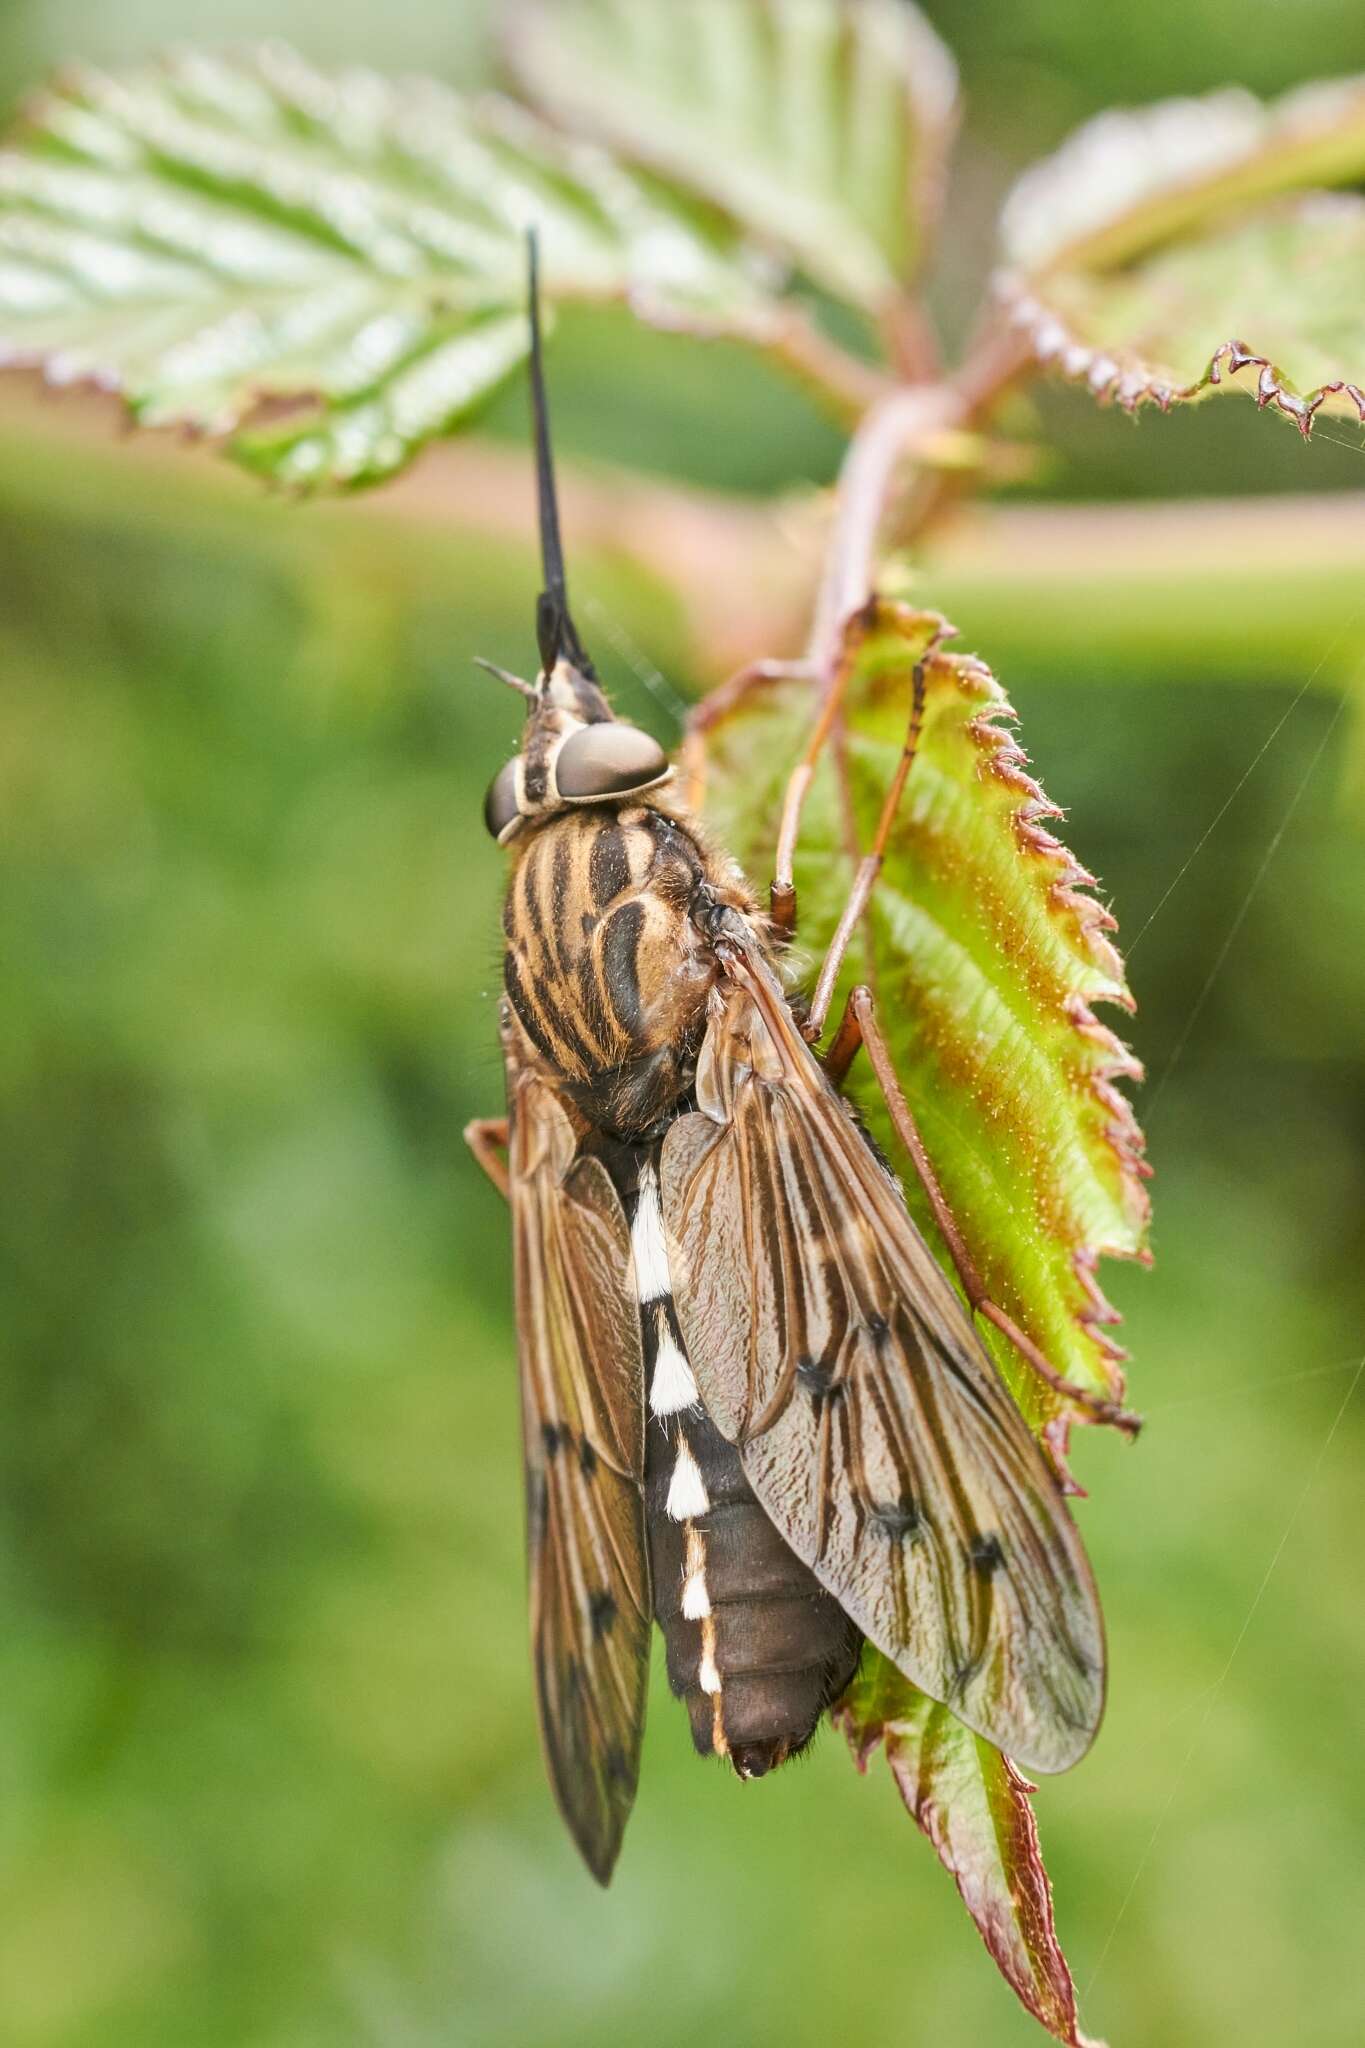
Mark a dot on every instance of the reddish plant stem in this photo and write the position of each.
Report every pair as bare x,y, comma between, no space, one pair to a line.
897,428
844,383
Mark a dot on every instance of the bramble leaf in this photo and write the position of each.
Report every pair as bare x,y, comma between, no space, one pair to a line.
974,1807
987,954
1134,178
1158,333
1162,251
819,126
209,236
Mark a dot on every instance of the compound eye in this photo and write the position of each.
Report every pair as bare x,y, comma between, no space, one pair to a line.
608,760
500,807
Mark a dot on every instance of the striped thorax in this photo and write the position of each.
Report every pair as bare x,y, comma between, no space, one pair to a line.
607,970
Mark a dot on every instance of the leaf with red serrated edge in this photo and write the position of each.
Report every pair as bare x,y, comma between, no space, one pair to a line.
974,1807
1162,251
988,955
211,236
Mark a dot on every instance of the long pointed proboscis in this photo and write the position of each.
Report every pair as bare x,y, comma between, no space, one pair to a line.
555,626
551,544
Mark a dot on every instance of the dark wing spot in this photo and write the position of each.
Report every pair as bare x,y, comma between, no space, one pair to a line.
964,1675
986,1554
1081,1660
897,1519
878,1329
587,1459
615,1765
537,1508
601,1613
549,1436
817,1380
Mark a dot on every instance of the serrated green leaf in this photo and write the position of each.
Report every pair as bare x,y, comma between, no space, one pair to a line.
988,955
974,1807
819,125
1136,177
1160,252
1171,328
206,235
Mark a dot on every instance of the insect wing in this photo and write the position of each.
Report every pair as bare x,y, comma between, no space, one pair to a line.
827,1343
582,1404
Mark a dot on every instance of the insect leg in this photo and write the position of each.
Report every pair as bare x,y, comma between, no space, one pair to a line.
868,870
859,1027
486,1138
782,890
724,699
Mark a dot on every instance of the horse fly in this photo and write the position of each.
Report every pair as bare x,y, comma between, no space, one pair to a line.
755,1409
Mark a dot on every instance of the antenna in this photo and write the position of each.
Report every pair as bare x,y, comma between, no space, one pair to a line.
555,628
505,675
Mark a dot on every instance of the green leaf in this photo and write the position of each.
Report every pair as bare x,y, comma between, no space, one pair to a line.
974,1807
1161,252
1169,329
1134,178
819,125
988,956
211,236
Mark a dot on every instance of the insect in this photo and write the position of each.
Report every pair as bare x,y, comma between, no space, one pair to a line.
755,1409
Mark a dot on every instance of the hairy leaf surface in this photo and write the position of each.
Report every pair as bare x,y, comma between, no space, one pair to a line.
208,235
1161,252
819,125
988,955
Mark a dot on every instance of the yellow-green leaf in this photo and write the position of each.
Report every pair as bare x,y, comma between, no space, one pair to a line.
988,954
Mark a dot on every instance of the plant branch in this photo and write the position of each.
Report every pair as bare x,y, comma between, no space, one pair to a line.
844,383
898,427
996,356
1220,588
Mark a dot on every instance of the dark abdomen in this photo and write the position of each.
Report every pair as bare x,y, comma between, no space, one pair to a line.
756,1647
782,1648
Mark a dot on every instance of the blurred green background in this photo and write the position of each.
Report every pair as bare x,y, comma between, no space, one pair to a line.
268,1769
